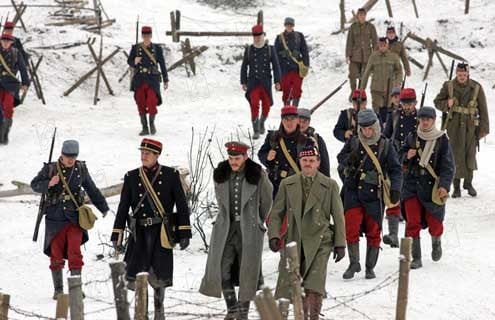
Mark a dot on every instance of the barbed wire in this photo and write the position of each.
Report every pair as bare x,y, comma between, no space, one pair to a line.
29,314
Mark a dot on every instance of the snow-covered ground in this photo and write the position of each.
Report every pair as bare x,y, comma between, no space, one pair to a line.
460,286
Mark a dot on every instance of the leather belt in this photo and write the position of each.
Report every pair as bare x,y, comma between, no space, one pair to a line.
149,221
464,110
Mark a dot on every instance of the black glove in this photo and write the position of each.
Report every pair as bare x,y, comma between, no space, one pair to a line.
394,196
274,244
184,243
338,254
118,248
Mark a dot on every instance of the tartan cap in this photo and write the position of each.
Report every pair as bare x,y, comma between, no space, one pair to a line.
151,145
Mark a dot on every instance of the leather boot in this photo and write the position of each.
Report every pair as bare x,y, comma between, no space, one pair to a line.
77,272
243,310
305,302
262,125
371,259
58,284
468,184
7,124
159,309
436,248
295,102
1,131
256,129
393,228
354,266
152,123
416,263
457,188
231,302
144,123
315,302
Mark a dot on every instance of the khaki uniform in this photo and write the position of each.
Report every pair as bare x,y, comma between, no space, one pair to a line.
466,120
361,41
397,47
383,66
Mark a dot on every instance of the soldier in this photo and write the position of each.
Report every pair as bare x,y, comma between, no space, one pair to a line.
257,81
346,125
292,51
361,41
430,169
316,139
304,199
368,159
63,232
243,194
394,103
399,125
8,28
464,102
385,66
145,57
397,47
152,191
11,62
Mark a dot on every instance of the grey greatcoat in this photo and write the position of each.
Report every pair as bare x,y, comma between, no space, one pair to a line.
256,202
317,228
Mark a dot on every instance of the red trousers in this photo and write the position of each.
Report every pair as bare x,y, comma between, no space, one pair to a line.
395,211
67,240
146,99
293,81
357,217
414,212
258,94
7,103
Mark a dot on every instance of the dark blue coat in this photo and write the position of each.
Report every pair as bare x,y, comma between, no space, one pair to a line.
15,61
61,211
144,249
418,181
279,168
260,62
147,71
361,179
344,123
18,45
297,46
399,125
322,148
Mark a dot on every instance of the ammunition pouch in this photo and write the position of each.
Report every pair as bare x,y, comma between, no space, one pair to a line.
370,177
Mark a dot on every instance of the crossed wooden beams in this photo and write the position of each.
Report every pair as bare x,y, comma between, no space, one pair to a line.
35,81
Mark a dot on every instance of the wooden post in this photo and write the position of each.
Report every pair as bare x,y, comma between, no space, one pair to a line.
443,64
4,306
389,8
466,8
292,256
415,8
342,15
119,290
259,20
173,24
266,305
283,308
18,13
62,310
17,17
103,75
76,298
177,19
415,62
405,264
141,306
196,52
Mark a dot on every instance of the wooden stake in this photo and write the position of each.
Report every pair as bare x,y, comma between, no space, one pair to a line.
196,52
177,19
342,15
18,13
141,309
389,8
441,62
62,310
96,60
415,8
415,62
173,33
292,256
259,20
402,291
119,290
283,308
76,298
4,306
266,305
466,8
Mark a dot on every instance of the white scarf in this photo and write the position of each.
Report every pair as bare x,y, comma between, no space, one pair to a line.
260,44
376,135
430,136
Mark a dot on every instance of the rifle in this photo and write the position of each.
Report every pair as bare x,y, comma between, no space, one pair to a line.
423,95
319,104
42,206
133,70
286,103
445,115
403,81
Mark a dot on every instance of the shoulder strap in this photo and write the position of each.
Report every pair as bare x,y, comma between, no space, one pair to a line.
428,167
6,67
475,94
66,186
284,43
373,158
148,53
289,158
450,87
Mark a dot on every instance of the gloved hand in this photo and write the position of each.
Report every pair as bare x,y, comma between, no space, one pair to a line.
274,244
338,254
118,247
184,243
394,196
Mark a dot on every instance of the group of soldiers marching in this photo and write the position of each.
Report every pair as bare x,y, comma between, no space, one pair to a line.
394,162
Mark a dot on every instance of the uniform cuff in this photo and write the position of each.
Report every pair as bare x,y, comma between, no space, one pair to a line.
184,232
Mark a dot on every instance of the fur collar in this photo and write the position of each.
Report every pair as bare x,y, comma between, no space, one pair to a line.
252,172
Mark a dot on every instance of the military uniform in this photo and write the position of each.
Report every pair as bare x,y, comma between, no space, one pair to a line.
347,121
421,211
9,85
236,244
363,199
467,121
291,81
397,47
361,41
383,66
319,143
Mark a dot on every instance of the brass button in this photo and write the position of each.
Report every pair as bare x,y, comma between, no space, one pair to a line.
159,182
140,194
158,193
139,184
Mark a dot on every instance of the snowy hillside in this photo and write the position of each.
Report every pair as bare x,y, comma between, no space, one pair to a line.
460,286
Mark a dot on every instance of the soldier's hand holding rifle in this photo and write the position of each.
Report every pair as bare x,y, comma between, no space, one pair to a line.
54,181
271,155
348,134
450,103
137,60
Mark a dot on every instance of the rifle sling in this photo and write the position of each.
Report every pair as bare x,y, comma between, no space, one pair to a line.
287,155
6,67
148,53
145,194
